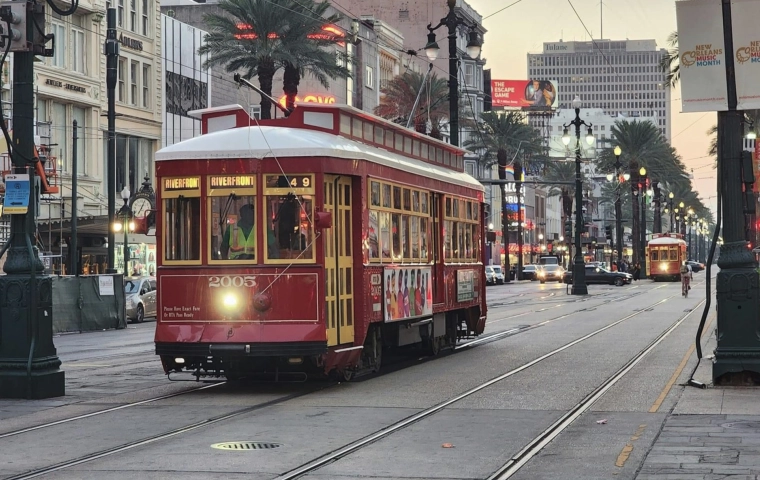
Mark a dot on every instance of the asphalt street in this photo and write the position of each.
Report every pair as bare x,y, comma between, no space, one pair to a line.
546,358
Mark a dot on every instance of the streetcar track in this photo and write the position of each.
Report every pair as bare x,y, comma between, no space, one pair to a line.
384,432
107,410
539,442
155,438
338,453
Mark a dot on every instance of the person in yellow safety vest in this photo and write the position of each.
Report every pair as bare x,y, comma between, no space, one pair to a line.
239,241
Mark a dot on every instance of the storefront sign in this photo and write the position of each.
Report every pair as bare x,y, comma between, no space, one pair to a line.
66,86
328,99
131,43
187,183
408,292
105,285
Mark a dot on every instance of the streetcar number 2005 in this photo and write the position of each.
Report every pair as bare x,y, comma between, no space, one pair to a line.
231,281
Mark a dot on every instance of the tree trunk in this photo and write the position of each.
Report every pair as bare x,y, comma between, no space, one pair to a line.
635,220
290,81
265,72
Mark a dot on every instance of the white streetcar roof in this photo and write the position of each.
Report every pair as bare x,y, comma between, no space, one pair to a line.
282,142
666,241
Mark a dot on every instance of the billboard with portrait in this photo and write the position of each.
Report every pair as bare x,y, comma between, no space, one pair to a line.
408,292
529,94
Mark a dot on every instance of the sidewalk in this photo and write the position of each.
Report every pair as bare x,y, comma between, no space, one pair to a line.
712,433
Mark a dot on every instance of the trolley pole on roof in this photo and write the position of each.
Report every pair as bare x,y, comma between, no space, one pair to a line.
29,366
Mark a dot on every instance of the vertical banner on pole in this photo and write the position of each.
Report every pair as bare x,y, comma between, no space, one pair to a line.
702,53
744,17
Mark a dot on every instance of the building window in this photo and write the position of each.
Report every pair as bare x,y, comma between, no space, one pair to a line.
60,137
469,74
145,11
133,15
122,78
133,82
59,55
78,51
145,85
369,77
120,14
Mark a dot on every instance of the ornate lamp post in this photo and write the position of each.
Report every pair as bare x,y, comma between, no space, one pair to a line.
669,209
452,21
579,269
618,204
125,213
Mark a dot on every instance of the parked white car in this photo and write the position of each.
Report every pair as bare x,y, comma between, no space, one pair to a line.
494,275
140,293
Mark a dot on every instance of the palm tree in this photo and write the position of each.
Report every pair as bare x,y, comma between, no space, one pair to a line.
561,172
670,63
311,49
503,137
399,95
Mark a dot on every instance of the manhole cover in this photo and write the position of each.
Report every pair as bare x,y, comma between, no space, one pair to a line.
743,425
244,445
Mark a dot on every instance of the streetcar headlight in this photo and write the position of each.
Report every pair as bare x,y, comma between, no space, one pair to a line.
230,301
663,267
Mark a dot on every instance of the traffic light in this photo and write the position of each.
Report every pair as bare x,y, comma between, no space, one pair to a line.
608,232
14,14
518,174
501,158
568,230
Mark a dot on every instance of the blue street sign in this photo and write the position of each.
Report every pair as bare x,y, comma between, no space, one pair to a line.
16,194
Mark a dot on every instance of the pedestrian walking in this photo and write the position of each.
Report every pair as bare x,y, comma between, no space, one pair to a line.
637,271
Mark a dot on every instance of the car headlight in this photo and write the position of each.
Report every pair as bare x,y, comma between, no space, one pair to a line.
130,302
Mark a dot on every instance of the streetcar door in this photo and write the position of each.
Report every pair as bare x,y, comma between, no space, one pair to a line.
339,274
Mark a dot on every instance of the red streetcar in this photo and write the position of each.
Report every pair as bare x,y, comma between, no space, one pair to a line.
313,242
665,253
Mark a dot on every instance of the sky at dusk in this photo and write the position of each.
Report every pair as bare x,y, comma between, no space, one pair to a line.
523,27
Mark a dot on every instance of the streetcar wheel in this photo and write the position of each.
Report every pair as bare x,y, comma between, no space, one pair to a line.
140,315
347,375
619,282
433,346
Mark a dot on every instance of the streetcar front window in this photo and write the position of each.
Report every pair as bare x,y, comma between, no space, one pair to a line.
233,228
289,202
673,254
654,255
182,219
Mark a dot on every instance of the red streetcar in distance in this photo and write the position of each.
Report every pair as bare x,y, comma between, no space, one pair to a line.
665,253
313,243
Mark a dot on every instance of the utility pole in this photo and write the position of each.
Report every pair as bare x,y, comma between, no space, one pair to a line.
73,248
518,173
738,286
29,365
112,64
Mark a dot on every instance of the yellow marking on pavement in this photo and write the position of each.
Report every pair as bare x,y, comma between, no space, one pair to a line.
626,451
658,403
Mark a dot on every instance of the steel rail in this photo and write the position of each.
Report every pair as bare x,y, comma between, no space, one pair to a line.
352,447
539,442
107,410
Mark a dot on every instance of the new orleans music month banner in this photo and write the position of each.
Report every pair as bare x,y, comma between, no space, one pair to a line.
702,54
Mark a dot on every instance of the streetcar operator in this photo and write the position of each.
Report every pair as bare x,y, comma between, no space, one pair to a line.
239,241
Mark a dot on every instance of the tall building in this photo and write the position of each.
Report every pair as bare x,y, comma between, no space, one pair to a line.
621,77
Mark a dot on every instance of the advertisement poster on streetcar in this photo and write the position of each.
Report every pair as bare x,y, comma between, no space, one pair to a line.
529,94
465,285
408,292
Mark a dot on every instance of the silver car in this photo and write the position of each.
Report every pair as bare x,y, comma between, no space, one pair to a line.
140,293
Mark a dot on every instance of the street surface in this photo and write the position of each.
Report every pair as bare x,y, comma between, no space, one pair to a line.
516,393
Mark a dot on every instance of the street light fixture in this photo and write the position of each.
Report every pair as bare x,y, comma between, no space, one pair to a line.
126,225
474,43
618,205
579,267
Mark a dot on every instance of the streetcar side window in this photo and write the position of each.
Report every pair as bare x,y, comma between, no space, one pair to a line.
374,229
385,235
289,210
374,194
461,230
182,220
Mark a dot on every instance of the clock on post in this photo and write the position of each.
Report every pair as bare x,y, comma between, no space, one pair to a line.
143,206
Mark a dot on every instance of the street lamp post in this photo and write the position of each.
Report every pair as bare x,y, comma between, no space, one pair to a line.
579,269
670,209
643,226
126,214
681,226
452,21
618,205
